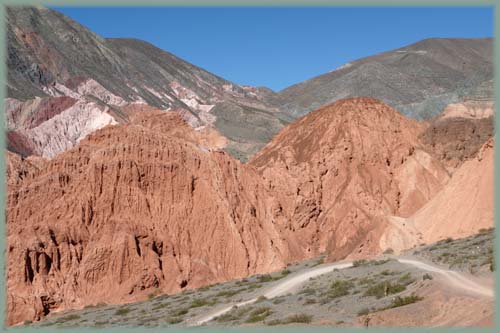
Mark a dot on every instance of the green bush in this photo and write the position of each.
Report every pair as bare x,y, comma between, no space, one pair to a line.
401,301
285,272
265,278
122,311
299,318
339,288
179,312
174,320
202,302
228,293
427,276
359,263
308,291
383,289
68,318
406,279
259,314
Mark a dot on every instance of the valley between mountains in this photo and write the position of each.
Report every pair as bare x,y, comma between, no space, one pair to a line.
134,175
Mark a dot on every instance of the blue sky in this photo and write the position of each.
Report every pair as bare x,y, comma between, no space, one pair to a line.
278,47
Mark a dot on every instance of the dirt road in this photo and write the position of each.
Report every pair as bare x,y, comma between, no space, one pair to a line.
456,279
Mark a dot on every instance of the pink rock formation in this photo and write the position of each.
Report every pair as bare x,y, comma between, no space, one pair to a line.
465,205
338,171
133,209
152,205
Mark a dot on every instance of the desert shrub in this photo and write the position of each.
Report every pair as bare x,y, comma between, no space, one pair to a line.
259,314
310,301
406,279
122,311
278,300
68,318
160,306
226,317
427,276
285,272
308,291
384,288
202,302
254,286
359,263
296,318
27,322
401,301
265,278
174,320
179,312
379,262
318,262
339,288
299,318
366,280
228,293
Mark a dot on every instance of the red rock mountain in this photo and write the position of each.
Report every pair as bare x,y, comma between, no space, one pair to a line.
131,209
341,169
153,205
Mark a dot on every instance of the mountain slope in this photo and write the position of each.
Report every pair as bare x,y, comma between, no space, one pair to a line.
133,209
52,55
340,170
465,205
418,80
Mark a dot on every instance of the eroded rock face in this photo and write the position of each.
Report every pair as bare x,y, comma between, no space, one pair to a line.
340,170
465,205
132,209
459,132
154,205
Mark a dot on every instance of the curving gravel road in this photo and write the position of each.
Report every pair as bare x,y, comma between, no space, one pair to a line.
456,279
288,284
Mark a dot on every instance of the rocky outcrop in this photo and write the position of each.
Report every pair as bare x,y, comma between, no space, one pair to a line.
465,205
134,209
340,170
458,133
49,126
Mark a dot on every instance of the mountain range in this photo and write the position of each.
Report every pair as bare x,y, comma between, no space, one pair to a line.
130,170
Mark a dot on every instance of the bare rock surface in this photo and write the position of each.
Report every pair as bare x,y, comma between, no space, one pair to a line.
130,209
340,170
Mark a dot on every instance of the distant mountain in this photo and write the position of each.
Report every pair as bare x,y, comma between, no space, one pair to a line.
418,80
51,55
